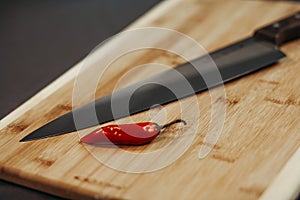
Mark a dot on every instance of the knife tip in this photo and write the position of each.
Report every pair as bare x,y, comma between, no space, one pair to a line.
23,139
28,138
31,137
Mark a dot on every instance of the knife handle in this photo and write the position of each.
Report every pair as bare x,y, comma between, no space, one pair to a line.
281,31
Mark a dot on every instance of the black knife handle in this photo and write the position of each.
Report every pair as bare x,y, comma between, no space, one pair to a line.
281,31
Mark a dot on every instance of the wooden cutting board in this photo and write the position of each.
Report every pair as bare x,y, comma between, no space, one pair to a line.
256,156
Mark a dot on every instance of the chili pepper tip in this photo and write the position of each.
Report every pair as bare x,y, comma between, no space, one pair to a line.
173,122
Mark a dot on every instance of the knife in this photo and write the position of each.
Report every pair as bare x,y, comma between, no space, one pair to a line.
234,61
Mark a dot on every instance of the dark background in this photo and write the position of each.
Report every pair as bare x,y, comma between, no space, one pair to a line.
41,39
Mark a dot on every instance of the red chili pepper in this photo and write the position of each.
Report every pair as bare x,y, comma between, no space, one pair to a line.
127,134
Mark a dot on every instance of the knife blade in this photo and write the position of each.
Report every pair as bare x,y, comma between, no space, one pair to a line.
234,61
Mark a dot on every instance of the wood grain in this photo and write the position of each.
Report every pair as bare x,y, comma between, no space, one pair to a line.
260,135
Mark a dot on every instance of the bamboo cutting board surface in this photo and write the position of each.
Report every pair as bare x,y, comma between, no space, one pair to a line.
256,156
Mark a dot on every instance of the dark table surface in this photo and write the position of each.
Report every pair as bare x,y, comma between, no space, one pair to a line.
42,39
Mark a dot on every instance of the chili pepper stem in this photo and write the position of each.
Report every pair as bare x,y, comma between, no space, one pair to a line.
173,122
